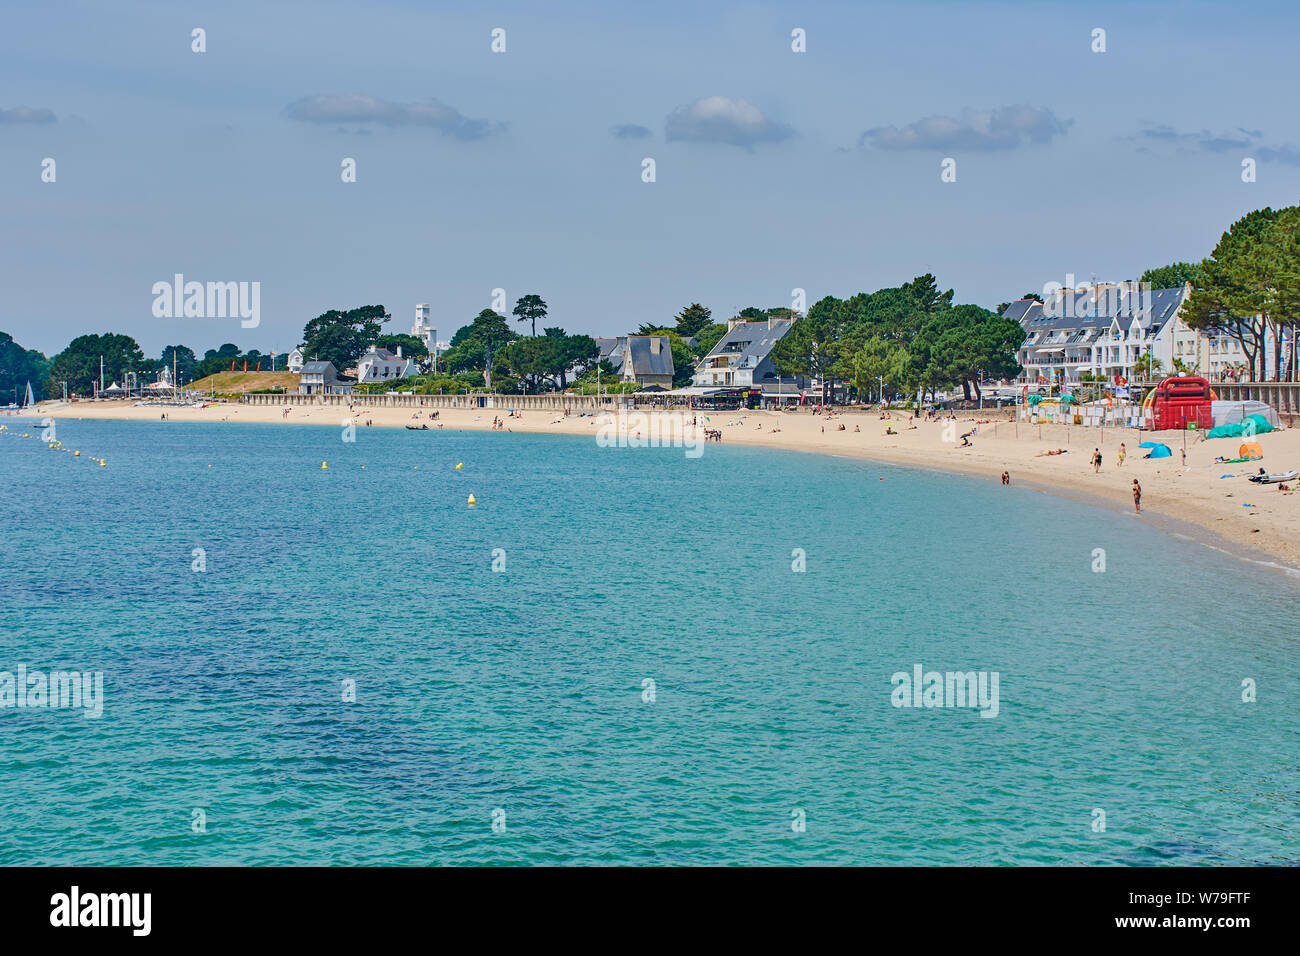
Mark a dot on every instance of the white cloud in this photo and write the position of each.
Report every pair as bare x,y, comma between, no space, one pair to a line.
717,119
1005,127
357,108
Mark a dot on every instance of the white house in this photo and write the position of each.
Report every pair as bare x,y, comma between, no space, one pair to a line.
295,361
319,378
743,356
1102,330
380,365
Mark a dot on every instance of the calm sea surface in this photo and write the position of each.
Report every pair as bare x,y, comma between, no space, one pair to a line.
522,691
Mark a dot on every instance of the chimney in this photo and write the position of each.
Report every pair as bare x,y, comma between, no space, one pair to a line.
656,344
733,322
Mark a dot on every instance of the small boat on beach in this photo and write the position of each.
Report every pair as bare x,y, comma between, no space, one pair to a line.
1266,479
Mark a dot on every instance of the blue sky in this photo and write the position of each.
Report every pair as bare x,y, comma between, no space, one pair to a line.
775,170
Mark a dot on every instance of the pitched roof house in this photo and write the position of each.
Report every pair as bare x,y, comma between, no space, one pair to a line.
743,356
319,378
380,365
1102,330
644,359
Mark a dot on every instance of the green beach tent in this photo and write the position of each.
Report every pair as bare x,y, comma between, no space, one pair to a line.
1250,425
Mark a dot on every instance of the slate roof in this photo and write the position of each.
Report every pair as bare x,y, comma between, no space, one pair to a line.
1077,310
643,358
753,341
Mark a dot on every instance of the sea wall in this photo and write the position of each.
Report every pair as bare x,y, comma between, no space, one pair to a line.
518,402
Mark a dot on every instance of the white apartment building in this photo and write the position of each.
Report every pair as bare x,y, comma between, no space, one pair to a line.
1102,330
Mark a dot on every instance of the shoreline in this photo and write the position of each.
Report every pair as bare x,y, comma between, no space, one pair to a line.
1192,502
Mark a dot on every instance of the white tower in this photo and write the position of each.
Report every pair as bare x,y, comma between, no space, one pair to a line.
422,330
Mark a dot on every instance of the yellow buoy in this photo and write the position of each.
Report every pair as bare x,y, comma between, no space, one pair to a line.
77,454
323,465
471,501
459,465
101,463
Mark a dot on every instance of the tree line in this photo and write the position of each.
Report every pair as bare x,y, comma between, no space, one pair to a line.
903,340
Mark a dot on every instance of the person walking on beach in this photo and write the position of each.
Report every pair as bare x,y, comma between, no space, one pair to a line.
1096,461
1006,477
1137,497
1121,454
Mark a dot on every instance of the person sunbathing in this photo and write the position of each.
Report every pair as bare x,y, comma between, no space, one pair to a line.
1059,451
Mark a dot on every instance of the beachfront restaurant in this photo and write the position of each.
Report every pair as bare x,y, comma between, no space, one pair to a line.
722,397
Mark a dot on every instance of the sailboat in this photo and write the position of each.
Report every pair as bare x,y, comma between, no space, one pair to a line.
28,400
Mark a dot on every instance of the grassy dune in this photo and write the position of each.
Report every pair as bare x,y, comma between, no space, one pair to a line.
232,383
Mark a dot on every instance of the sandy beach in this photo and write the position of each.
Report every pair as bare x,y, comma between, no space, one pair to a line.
1251,521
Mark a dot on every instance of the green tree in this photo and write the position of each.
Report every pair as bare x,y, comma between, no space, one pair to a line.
79,364
576,355
1282,252
692,319
411,346
1236,294
341,337
812,346
530,359
530,308
18,367
966,344
489,333
181,358
1174,275
1147,365
708,337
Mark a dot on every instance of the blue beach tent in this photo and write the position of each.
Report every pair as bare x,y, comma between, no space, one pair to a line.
1157,450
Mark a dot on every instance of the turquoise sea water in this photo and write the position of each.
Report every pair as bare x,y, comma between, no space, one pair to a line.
523,690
